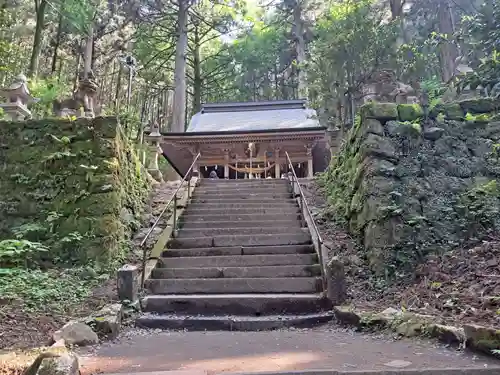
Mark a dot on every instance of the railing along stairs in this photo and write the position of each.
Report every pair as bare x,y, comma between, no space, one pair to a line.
306,212
173,200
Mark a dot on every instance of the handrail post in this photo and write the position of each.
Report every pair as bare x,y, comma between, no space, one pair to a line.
144,260
175,216
189,189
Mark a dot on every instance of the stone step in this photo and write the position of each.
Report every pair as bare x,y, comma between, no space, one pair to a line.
236,272
213,232
239,250
243,200
248,187
239,261
203,218
236,304
294,223
230,198
240,285
260,182
276,205
237,194
232,323
302,238
270,210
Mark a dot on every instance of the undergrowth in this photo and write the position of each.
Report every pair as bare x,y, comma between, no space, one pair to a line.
24,283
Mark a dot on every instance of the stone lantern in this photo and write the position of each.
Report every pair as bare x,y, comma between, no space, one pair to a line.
18,96
155,149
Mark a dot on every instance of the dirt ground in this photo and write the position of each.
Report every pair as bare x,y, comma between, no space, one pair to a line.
461,286
20,329
325,347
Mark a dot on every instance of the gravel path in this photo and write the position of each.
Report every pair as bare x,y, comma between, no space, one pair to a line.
326,347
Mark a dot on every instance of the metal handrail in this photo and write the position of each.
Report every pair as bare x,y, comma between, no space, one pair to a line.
172,199
305,207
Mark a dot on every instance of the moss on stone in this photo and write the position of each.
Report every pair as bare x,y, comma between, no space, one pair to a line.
80,174
480,105
379,111
410,112
452,111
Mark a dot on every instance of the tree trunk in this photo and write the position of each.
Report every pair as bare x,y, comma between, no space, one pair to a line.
58,42
198,81
179,116
87,57
37,40
300,47
448,52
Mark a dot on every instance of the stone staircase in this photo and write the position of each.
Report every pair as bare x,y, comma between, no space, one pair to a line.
242,260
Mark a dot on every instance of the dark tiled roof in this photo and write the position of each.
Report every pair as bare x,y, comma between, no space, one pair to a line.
248,116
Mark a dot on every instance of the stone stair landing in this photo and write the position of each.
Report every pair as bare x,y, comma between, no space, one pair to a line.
242,260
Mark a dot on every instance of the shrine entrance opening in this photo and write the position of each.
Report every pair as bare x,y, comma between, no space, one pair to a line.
249,141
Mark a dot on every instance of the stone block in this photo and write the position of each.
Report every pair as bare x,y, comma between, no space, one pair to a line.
76,333
480,105
376,145
484,339
410,112
447,334
128,283
336,286
434,133
403,129
347,315
65,364
379,111
107,321
371,125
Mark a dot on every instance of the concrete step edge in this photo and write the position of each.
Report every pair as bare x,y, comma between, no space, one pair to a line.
232,323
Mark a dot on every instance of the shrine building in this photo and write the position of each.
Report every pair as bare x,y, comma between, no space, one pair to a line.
249,141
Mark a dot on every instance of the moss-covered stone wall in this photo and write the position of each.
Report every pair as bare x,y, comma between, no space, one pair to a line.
75,186
408,189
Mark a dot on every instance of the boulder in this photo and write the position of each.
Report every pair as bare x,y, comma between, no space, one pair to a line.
379,111
484,339
76,333
65,364
371,125
107,321
452,111
480,105
347,315
378,146
410,112
403,129
447,334
434,133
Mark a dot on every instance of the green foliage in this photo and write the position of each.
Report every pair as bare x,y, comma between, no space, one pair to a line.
20,253
53,290
46,90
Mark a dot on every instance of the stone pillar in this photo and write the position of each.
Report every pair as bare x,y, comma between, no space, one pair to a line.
155,149
310,167
128,283
277,167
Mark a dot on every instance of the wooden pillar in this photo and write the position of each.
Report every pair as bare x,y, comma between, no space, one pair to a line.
310,170
277,167
226,163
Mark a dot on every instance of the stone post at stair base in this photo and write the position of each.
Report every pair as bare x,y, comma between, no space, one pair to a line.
128,283
335,279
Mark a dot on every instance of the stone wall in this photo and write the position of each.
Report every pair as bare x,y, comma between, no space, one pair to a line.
408,190
75,186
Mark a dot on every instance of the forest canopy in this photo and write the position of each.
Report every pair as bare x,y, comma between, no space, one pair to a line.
187,52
